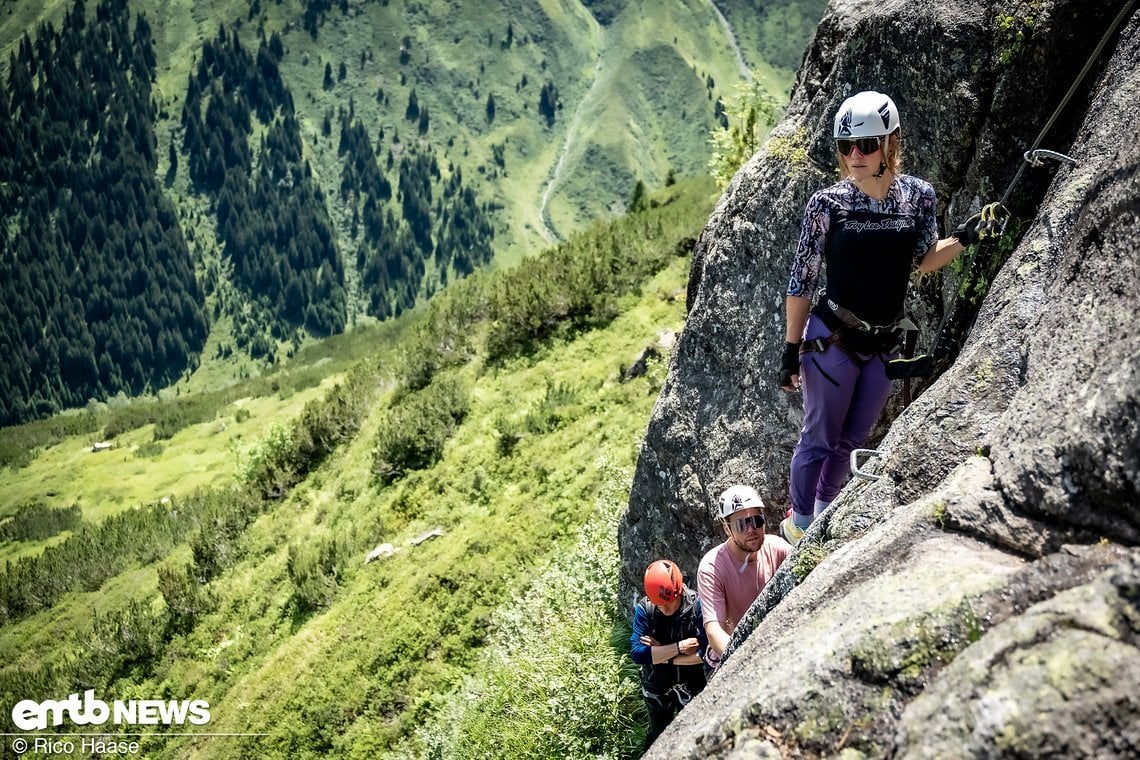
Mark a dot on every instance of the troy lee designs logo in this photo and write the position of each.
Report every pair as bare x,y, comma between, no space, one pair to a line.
845,123
29,715
885,224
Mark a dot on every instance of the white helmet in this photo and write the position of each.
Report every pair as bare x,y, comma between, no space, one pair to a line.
866,114
737,498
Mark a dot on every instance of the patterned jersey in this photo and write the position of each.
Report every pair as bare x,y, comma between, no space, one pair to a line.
870,246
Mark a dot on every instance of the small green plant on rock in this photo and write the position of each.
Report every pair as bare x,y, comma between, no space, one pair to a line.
939,514
793,148
751,111
807,559
1012,29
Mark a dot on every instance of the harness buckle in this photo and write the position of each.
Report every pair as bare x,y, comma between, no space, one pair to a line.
681,693
819,345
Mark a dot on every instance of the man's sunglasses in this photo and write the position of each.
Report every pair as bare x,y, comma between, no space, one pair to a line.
866,145
743,524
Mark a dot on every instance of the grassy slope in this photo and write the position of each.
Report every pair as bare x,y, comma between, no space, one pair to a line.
648,110
198,456
498,520
402,633
103,483
501,515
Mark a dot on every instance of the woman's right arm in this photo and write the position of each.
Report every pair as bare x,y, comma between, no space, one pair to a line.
802,284
806,266
797,313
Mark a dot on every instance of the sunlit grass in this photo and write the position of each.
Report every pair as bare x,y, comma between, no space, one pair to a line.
106,482
399,633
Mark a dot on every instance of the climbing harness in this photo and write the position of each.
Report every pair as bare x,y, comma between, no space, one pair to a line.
854,336
678,693
847,317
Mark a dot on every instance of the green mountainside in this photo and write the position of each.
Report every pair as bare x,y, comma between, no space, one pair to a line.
479,451
191,192
345,302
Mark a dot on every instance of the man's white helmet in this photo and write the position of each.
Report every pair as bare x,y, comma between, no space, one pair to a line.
866,114
737,498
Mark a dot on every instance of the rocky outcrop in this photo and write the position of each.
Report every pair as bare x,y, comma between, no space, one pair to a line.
992,576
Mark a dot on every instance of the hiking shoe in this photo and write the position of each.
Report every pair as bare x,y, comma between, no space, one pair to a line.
790,531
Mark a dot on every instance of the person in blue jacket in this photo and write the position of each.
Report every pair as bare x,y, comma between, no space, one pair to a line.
668,642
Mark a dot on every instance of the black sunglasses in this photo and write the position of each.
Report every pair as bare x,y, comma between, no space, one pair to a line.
866,145
742,524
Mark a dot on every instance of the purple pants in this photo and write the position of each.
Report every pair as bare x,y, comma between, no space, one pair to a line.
842,401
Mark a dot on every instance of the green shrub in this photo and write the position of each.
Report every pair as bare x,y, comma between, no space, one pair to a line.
507,435
314,567
413,433
15,453
35,522
215,545
552,411
187,599
122,643
149,449
752,111
443,339
268,465
580,699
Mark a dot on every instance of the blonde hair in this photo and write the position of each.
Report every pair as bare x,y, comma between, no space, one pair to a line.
893,150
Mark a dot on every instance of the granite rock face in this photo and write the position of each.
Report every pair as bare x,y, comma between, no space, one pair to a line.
990,577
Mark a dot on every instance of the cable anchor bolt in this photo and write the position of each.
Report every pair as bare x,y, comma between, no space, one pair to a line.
871,454
1033,157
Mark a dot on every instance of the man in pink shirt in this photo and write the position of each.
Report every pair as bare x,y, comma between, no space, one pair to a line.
733,574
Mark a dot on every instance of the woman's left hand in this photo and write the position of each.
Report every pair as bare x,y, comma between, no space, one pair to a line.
790,368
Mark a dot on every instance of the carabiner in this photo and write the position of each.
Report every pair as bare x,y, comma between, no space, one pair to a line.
990,214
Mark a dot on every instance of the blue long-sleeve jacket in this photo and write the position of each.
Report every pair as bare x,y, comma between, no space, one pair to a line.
649,620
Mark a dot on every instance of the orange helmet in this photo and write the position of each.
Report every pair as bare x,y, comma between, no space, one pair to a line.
663,582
